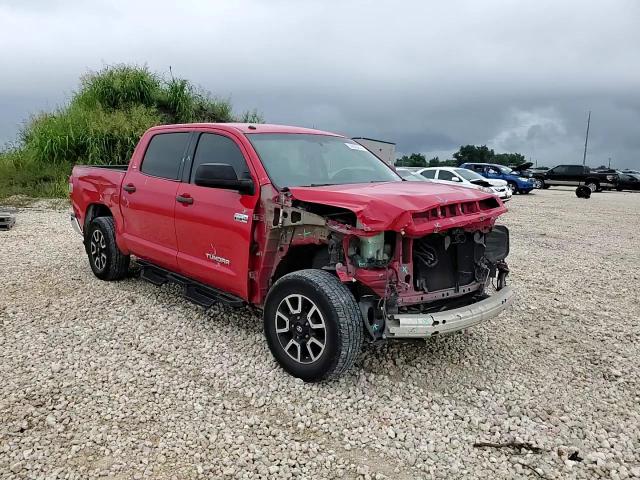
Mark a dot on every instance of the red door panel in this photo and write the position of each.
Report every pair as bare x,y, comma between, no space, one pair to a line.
148,212
214,234
214,225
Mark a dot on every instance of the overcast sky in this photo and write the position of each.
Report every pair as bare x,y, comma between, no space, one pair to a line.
519,76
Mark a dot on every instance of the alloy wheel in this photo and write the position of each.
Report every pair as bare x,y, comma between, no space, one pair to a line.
300,328
98,250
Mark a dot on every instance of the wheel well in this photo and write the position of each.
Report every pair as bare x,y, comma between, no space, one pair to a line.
95,210
301,257
594,180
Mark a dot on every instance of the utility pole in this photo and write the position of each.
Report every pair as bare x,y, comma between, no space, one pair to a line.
609,163
586,139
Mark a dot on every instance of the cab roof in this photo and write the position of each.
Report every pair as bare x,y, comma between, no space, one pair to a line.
250,128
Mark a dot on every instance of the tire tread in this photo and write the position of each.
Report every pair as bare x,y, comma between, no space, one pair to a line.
118,266
348,313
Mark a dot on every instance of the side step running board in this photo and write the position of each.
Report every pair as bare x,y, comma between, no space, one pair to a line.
197,292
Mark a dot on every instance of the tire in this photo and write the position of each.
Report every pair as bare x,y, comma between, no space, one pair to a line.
105,258
545,186
583,192
537,183
514,187
295,339
619,189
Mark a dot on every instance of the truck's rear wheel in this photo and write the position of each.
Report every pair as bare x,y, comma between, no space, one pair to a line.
313,325
106,260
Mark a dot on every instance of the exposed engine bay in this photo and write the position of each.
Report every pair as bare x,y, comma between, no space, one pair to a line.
446,270
442,258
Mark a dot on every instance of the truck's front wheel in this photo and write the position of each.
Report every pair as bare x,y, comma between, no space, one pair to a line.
313,325
106,260
593,185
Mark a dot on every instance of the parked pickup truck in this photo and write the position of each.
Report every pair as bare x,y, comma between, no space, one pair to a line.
576,175
308,226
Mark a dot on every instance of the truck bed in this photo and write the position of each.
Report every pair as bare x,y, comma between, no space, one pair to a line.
93,184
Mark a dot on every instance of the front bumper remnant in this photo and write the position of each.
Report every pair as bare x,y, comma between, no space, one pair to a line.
423,325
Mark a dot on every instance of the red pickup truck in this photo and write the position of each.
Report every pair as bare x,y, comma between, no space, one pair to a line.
309,226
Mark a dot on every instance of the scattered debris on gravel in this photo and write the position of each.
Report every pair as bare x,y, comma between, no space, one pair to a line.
127,380
7,220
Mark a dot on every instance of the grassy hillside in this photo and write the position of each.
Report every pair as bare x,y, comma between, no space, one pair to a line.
101,125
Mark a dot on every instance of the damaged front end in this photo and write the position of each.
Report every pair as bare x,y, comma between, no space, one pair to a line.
428,271
433,284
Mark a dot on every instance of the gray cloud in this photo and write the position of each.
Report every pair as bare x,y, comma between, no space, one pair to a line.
516,76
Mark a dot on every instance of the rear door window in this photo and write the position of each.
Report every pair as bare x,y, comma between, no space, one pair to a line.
429,173
164,155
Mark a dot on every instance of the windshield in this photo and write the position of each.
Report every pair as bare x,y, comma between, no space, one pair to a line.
468,174
295,160
629,176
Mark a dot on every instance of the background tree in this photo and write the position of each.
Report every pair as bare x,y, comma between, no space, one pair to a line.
474,154
413,160
509,159
483,154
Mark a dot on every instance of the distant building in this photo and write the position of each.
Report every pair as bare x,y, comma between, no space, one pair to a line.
385,151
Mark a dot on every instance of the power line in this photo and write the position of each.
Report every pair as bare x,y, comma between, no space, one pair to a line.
586,139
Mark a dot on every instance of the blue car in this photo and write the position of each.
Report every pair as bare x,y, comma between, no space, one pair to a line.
517,183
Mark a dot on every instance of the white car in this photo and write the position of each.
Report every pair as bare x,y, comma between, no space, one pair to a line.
467,178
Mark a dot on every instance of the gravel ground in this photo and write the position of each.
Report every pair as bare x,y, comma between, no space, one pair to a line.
127,380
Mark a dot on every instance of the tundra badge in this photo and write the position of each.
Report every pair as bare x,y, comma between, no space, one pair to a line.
214,257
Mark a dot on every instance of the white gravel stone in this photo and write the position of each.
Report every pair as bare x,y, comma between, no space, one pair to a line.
127,380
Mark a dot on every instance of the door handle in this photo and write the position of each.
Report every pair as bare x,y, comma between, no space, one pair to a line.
129,187
184,199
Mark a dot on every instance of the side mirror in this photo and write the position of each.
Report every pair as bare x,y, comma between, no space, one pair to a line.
222,175
455,179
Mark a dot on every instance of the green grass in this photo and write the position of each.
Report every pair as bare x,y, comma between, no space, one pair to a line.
101,125
22,176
